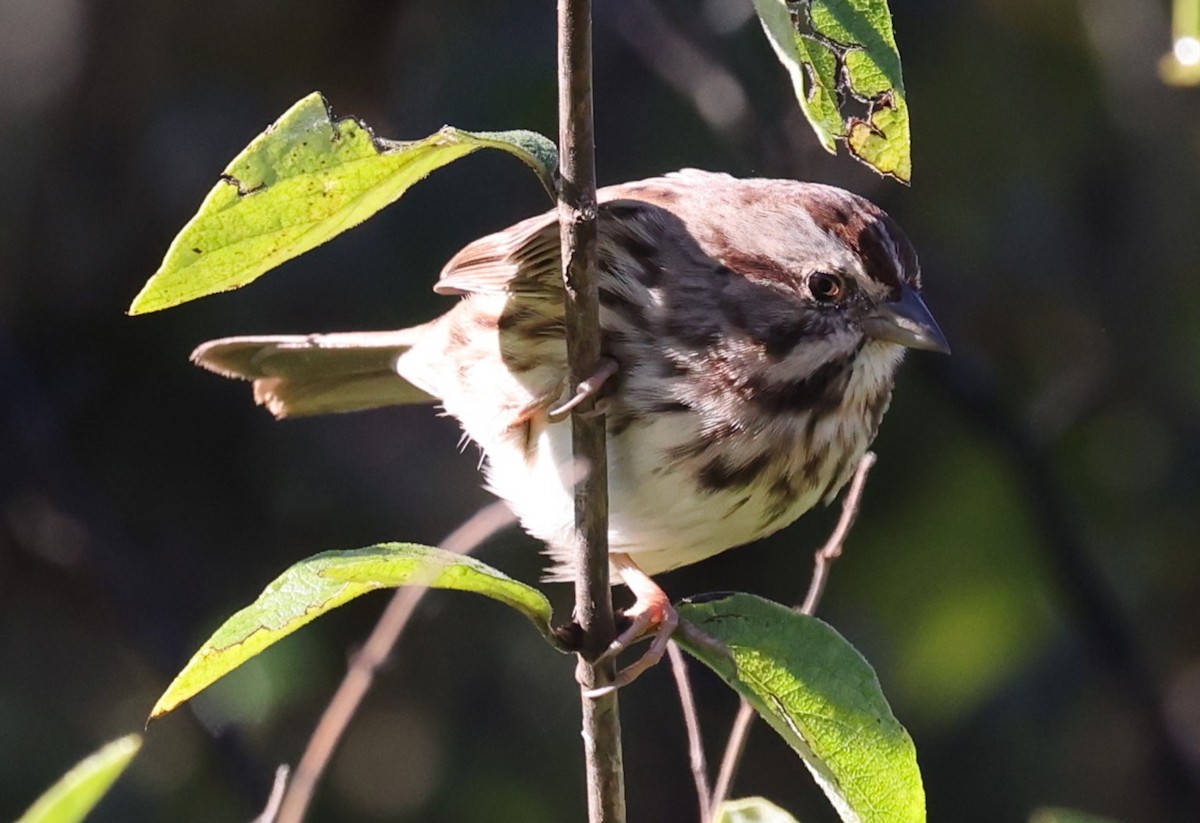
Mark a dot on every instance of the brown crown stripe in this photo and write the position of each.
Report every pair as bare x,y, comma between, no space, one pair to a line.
759,268
870,233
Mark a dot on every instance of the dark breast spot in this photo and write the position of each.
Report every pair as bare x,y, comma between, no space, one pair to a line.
720,474
819,393
780,495
814,462
838,476
669,406
710,439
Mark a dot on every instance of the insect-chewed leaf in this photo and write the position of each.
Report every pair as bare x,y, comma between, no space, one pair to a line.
304,180
79,790
325,581
751,810
822,697
837,50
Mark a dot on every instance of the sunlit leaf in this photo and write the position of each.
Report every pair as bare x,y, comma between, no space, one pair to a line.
303,181
845,69
751,810
79,790
325,581
819,693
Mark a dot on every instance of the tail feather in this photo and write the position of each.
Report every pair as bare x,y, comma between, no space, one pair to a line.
304,375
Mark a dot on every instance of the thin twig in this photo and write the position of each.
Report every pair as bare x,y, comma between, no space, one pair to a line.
692,721
467,537
593,597
832,549
735,747
271,810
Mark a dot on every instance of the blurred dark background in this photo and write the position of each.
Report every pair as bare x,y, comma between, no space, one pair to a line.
1025,574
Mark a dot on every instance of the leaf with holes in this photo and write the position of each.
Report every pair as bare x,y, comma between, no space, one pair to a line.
325,581
822,697
842,55
304,180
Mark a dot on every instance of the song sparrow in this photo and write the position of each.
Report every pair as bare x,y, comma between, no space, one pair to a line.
755,327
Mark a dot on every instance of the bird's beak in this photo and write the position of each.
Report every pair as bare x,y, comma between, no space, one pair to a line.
906,321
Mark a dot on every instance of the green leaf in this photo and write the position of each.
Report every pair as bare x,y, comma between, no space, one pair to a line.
751,810
303,181
812,67
822,697
842,56
1050,815
325,581
79,790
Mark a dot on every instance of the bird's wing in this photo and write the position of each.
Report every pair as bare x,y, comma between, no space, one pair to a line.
524,258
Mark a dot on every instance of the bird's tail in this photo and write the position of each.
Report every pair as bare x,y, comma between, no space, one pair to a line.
304,375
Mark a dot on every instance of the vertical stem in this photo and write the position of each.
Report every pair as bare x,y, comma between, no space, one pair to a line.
577,218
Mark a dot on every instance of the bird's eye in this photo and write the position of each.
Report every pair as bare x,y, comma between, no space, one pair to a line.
825,287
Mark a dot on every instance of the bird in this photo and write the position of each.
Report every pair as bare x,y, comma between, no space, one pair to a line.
751,330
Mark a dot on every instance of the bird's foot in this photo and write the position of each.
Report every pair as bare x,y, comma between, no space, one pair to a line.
651,617
606,368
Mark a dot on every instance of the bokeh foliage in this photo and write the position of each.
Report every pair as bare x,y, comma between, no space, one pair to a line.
1054,206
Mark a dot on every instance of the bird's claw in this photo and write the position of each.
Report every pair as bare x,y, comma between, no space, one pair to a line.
588,388
654,619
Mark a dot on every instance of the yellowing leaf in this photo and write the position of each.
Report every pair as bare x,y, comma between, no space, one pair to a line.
303,181
842,56
883,138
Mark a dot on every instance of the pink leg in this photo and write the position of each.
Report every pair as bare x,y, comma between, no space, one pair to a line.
651,615
606,369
